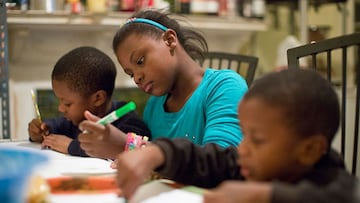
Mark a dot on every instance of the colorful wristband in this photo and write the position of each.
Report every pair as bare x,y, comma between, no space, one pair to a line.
134,141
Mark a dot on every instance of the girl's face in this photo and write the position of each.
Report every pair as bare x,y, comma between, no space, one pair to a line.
149,61
269,150
71,104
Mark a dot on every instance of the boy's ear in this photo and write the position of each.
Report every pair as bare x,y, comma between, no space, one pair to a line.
99,97
170,38
312,149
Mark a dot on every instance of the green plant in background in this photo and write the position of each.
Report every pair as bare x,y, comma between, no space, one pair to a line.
48,103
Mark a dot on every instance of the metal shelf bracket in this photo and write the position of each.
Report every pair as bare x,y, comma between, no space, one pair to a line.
4,75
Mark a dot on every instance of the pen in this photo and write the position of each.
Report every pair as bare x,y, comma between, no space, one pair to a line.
36,107
118,113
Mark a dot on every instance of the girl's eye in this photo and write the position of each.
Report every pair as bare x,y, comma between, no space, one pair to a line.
256,140
140,61
67,104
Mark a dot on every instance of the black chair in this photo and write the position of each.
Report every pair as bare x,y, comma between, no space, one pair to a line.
327,48
242,64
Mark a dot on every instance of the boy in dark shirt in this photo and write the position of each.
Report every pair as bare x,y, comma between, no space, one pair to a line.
83,79
289,120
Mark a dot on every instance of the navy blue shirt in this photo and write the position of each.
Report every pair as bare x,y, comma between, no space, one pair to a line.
131,122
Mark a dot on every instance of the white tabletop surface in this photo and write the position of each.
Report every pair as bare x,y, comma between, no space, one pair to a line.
65,165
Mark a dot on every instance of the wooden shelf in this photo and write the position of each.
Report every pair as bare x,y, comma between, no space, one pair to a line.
111,21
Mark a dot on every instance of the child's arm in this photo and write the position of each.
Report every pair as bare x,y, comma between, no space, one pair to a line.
60,135
340,189
203,166
134,167
57,142
179,160
223,97
74,149
240,192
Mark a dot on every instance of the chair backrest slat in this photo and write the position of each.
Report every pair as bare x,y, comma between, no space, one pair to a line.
356,131
343,104
328,65
238,67
232,61
314,61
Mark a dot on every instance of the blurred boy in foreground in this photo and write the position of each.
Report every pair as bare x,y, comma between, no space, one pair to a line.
289,120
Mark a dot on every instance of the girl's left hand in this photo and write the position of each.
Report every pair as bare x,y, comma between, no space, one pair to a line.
57,142
239,192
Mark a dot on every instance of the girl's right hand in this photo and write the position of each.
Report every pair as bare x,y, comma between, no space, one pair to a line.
101,141
37,130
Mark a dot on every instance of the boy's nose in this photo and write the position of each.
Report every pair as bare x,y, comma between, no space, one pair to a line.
61,108
243,149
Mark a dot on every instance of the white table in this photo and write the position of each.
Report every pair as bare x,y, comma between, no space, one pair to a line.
63,165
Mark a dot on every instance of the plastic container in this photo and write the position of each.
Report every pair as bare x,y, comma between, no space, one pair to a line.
17,165
97,6
47,5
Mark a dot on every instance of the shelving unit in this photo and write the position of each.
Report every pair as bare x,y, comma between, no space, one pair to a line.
4,75
303,6
88,21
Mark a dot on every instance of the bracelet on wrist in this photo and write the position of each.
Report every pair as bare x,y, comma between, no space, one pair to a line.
134,141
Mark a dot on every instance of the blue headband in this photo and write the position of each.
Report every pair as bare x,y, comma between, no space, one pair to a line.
147,21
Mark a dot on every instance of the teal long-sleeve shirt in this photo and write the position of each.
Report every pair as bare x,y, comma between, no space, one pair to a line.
209,115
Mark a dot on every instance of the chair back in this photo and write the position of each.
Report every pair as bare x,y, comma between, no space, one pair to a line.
327,48
243,64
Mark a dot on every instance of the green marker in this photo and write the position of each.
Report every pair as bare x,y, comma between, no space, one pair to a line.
118,113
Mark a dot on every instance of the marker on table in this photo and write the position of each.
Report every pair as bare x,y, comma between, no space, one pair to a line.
36,107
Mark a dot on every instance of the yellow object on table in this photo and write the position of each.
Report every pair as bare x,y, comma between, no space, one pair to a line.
38,190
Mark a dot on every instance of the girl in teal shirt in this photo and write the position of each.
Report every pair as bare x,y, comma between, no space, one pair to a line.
208,116
187,100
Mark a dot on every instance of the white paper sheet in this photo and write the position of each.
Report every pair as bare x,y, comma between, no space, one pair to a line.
95,198
80,166
175,196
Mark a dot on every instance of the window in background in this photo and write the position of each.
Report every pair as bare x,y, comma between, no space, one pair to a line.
48,103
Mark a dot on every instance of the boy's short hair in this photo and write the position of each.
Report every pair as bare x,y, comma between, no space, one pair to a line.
308,101
86,70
